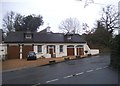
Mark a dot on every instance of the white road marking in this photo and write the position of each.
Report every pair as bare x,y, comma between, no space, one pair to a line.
68,76
105,67
36,84
72,75
98,68
51,80
89,71
79,73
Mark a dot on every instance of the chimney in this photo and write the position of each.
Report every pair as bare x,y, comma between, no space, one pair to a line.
48,28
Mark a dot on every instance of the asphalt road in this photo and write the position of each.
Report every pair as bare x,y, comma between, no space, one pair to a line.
91,70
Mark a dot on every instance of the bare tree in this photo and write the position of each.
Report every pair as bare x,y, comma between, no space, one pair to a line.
110,18
8,22
70,25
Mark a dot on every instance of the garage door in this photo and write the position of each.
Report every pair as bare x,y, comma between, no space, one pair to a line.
70,51
13,52
25,50
80,51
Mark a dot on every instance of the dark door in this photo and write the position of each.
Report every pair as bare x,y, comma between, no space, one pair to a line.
80,51
25,50
51,51
70,51
13,52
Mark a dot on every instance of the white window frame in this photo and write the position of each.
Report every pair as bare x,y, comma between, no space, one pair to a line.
28,36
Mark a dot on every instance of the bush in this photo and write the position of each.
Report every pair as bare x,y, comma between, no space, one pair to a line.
115,52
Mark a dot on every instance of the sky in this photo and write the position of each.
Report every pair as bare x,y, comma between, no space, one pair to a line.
55,11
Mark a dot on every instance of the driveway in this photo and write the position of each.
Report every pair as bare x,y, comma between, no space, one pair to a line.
17,64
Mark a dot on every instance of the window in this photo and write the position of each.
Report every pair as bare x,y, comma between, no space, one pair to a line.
39,48
61,48
69,37
28,36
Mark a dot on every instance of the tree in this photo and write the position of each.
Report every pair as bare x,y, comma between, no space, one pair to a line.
100,38
110,18
8,22
70,25
115,52
30,22
18,22
85,28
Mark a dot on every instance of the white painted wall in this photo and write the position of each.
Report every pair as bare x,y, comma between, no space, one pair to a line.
86,47
91,51
3,51
47,55
61,54
94,51
58,53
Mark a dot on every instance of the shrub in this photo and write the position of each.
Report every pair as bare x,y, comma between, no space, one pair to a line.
115,52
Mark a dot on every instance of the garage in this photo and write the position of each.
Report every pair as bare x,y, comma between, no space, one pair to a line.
70,50
13,52
80,50
25,50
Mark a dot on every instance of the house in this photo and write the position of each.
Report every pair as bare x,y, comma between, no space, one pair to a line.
46,44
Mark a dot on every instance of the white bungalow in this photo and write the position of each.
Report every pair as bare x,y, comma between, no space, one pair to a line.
46,44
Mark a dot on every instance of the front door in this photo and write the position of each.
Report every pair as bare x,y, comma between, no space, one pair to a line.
51,51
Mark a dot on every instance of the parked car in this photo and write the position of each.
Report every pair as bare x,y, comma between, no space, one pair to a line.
31,55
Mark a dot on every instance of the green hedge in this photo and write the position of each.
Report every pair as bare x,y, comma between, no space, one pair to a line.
115,52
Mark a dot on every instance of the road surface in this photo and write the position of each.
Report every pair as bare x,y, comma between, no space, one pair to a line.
91,70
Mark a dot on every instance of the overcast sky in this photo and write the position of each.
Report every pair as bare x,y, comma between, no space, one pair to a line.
54,11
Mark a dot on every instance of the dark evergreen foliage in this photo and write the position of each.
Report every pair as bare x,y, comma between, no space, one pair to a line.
29,22
115,52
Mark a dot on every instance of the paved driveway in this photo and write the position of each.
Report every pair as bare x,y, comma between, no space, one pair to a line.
16,64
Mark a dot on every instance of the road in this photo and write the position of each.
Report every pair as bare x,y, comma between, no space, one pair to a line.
91,70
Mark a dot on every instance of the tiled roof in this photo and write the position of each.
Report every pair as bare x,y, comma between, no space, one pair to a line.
48,37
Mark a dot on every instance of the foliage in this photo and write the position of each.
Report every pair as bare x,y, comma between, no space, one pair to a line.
115,51
100,38
30,22
16,22
70,25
